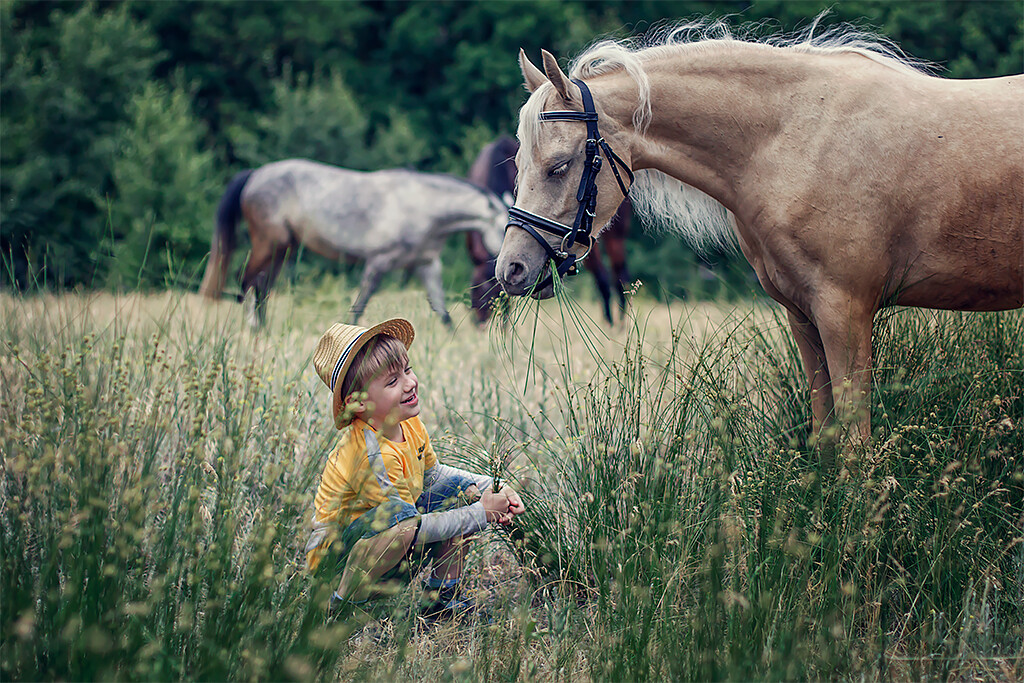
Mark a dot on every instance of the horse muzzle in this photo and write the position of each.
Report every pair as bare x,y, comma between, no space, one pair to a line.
533,270
518,278
522,267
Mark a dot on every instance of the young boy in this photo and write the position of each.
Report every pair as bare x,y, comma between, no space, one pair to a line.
385,504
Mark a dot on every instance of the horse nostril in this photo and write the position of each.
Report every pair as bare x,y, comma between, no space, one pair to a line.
515,272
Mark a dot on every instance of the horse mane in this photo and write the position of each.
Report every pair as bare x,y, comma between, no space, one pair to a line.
660,199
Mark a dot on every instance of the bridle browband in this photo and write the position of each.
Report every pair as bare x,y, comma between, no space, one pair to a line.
582,228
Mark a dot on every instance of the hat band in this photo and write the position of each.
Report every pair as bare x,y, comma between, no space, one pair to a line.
341,362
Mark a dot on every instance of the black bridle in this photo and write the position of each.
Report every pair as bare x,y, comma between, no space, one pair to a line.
582,228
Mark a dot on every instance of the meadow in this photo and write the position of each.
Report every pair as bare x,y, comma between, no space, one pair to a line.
160,459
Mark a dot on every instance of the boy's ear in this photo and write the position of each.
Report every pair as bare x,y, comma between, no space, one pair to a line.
354,404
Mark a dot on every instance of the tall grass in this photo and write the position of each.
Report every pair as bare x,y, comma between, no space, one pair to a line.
159,465
690,507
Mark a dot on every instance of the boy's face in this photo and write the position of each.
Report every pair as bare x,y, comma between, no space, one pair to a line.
393,394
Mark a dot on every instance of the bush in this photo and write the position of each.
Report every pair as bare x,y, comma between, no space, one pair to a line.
166,189
65,93
317,117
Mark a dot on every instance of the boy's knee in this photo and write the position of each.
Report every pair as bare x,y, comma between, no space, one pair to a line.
371,559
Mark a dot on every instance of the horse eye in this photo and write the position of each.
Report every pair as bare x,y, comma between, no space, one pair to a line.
560,169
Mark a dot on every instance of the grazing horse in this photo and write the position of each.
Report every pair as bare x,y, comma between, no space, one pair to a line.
389,219
850,179
495,169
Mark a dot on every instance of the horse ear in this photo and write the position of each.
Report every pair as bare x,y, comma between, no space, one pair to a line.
533,76
558,79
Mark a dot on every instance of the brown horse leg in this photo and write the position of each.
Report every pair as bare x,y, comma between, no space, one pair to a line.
483,290
430,276
615,247
265,262
596,267
373,271
846,335
263,288
260,256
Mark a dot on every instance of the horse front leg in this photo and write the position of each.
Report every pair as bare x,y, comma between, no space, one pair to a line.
265,261
845,328
812,354
595,265
430,275
616,250
373,272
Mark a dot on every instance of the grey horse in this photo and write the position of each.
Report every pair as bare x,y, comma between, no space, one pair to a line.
391,219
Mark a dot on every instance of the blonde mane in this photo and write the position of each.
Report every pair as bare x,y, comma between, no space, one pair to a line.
660,200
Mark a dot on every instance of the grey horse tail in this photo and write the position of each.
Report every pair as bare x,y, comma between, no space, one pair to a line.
229,212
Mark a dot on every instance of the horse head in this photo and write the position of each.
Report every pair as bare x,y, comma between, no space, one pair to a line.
562,190
483,249
495,170
493,229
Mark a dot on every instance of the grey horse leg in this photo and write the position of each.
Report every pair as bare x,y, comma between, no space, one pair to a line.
372,274
430,275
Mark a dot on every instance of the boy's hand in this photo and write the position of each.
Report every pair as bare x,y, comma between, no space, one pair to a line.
501,507
496,506
515,503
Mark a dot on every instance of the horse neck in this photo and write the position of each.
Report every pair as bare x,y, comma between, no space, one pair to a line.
471,211
713,107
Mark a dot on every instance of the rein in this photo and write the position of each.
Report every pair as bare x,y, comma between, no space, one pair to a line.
582,228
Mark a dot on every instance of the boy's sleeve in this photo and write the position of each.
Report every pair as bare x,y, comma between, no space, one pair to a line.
440,485
444,481
462,521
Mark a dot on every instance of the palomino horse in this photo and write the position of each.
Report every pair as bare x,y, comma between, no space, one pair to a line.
852,181
389,219
495,169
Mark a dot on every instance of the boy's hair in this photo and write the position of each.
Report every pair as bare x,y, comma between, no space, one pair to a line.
379,355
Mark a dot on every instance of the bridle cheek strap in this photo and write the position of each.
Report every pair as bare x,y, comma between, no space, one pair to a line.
582,228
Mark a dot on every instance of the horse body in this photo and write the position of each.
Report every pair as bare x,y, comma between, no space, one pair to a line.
852,181
389,219
894,184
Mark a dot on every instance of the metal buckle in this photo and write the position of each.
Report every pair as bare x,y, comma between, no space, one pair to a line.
590,245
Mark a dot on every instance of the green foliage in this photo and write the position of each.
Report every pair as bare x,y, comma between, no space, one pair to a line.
158,471
121,537
65,92
361,84
317,120
166,189
317,117
695,517
234,51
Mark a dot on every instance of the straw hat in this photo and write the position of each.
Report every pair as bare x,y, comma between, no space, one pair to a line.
339,345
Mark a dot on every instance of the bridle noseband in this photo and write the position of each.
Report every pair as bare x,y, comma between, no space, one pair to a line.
582,228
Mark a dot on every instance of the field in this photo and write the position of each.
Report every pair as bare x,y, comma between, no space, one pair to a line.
160,458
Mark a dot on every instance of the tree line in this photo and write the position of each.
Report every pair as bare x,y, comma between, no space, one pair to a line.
121,122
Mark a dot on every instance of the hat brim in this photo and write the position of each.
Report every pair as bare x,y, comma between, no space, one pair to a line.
399,328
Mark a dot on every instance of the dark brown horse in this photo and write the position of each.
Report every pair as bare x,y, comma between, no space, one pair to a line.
495,169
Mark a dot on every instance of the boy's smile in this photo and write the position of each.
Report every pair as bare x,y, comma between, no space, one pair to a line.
393,397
